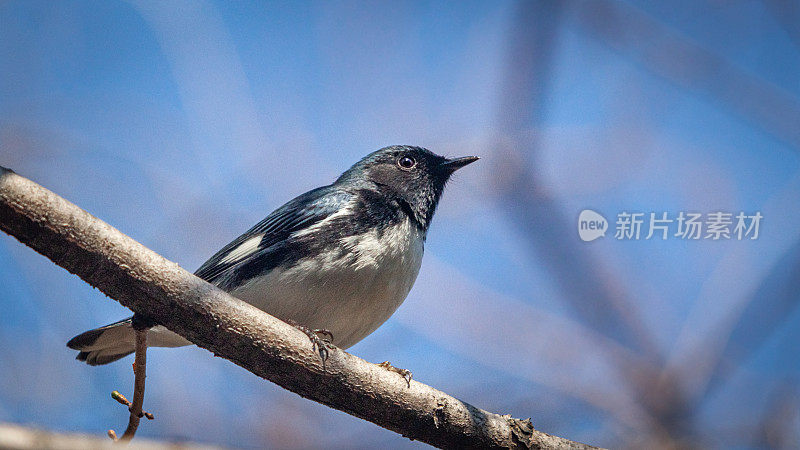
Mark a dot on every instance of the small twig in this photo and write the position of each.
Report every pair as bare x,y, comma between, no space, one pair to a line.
139,374
116,395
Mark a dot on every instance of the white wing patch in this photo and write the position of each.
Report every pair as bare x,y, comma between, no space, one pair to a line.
343,211
244,250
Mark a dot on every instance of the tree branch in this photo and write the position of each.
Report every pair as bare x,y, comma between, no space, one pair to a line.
154,287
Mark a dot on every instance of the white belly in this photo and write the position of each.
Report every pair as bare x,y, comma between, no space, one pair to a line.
351,295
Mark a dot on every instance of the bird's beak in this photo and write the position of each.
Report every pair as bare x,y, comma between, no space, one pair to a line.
451,165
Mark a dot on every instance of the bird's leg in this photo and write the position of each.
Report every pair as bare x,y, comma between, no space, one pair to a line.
406,374
320,344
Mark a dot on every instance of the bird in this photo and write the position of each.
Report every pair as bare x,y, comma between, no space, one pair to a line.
336,261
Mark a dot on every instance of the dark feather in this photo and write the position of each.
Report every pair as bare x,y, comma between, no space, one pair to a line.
296,215
88,338
92,358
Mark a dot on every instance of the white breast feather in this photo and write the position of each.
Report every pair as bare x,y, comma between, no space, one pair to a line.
350,296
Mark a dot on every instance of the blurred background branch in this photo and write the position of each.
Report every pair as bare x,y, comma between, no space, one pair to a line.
690,66
17,437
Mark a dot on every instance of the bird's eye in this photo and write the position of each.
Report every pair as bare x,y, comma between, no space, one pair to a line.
406,163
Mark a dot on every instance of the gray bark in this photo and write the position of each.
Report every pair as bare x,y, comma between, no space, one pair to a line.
152,286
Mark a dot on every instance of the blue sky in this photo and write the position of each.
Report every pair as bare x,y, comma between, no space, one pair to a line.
184,123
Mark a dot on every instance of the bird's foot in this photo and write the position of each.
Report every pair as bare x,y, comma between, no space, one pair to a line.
406,374
320,340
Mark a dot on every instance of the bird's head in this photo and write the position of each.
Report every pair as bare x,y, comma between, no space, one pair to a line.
413,175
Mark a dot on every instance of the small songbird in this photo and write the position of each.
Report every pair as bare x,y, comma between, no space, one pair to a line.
336,260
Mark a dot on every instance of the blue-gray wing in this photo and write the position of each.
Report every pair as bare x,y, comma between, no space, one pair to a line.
296,215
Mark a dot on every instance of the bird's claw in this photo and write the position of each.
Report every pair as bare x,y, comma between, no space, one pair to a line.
325,332
406,374
322,345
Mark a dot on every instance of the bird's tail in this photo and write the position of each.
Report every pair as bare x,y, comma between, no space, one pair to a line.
117,340
105,344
